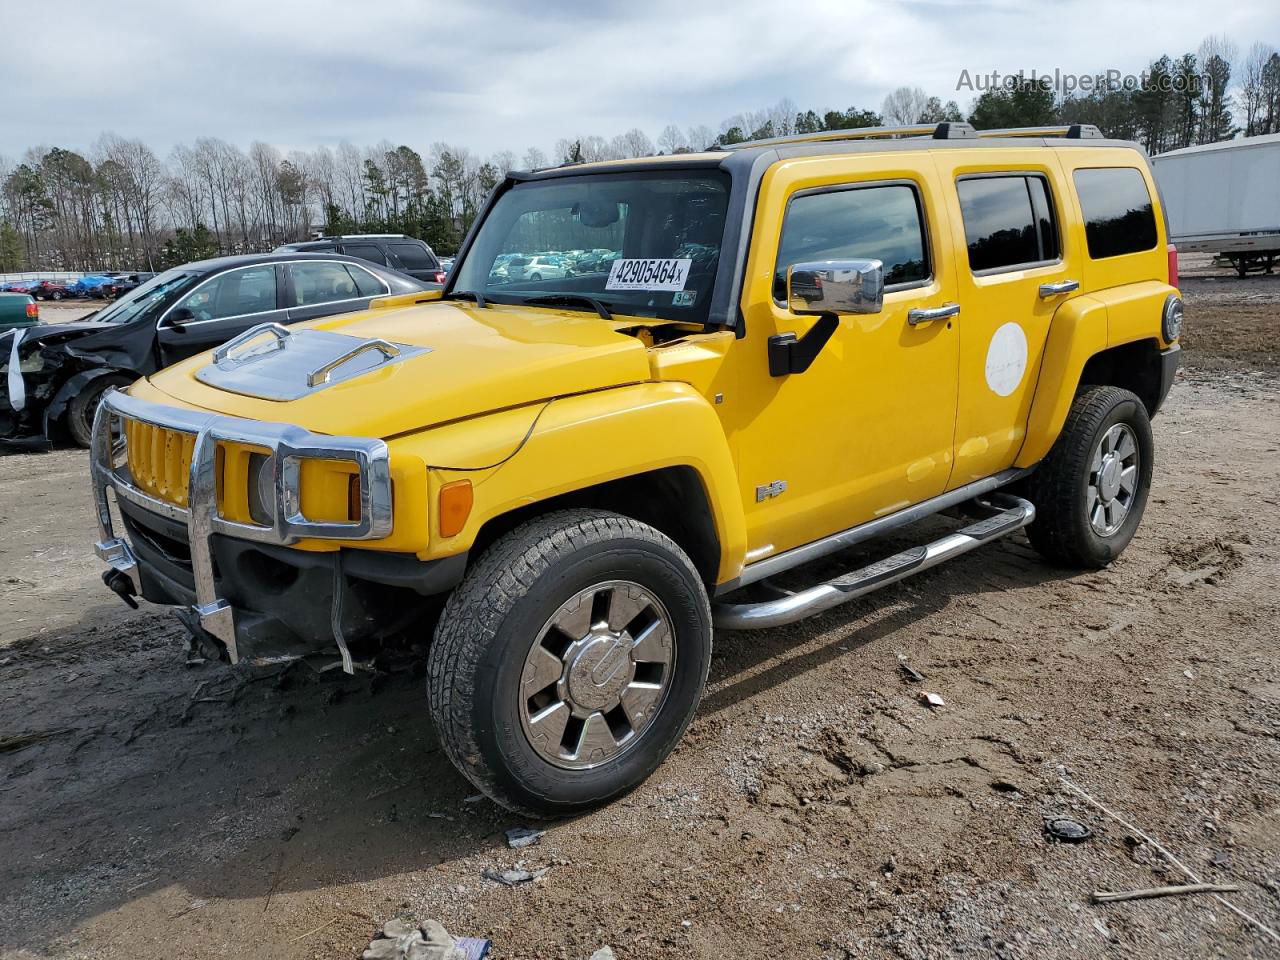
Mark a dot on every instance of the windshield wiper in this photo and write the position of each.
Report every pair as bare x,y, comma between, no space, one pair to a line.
475,295
551,299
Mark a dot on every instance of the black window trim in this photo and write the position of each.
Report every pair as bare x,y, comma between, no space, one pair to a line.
1053,214
926,231
1084,217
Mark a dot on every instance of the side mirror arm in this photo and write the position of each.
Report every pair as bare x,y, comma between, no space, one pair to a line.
791,354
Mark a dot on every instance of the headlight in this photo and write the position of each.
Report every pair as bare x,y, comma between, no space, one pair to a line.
1171,323
262,496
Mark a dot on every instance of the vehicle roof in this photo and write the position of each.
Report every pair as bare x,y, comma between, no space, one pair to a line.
944,136
249,259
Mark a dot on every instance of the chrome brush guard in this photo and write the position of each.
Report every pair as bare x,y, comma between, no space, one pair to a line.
289,445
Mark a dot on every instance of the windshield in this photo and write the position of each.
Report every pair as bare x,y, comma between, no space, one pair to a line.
137,300
643,244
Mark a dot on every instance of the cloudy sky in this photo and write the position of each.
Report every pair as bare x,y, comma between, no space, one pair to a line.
500,74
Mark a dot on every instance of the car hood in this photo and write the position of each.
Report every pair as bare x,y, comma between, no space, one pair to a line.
127,346
457,361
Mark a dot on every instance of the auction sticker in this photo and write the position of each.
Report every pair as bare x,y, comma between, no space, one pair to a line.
1006,359
648,274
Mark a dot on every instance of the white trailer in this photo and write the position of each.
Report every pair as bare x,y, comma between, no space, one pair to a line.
1224,198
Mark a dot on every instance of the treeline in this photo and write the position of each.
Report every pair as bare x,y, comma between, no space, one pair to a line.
120,206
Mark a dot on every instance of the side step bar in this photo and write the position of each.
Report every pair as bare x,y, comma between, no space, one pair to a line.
1014,514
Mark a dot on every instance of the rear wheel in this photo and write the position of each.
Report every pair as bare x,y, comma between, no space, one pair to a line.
84,406
569,661
1091,490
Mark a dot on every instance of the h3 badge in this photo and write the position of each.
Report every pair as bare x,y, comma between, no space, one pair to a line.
770,490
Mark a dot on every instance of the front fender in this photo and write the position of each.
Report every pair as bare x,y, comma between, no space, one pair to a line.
519,457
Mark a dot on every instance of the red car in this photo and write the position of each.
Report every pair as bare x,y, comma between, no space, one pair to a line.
49,290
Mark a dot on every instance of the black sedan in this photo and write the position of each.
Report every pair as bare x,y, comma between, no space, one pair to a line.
64,369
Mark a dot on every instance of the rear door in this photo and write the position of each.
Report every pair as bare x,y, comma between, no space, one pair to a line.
1015,268
413,258
367,251
321,288
218,308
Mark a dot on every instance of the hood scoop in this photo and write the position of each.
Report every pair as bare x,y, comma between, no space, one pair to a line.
270,362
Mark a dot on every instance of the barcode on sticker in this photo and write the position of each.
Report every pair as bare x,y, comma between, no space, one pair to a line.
648,274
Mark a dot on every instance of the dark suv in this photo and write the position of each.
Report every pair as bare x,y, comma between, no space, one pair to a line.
393,250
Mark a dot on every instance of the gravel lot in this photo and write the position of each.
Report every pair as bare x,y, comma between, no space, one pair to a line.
816,808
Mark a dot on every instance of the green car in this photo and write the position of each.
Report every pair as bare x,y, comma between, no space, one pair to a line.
18,310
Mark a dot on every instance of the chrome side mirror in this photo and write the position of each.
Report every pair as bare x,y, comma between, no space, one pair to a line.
836,286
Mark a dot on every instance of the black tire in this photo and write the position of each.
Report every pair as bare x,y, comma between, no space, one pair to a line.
83,406
536,276
1062,531
491,622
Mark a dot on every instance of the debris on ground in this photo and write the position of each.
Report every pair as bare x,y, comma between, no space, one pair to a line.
403,940
1102,896
518,837
908,671
932,699
604,953
1066,830
514,876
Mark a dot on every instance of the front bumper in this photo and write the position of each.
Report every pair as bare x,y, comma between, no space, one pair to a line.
201,520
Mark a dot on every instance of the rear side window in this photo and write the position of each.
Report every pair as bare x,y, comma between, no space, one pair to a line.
414,256
365,251
366,283
1008,221
321,282
859,223
1118,216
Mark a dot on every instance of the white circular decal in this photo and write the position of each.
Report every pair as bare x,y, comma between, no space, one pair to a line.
1006,359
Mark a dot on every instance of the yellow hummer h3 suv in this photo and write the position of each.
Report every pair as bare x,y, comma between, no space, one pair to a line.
750,359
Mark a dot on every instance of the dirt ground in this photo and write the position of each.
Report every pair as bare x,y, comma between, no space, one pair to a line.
816,808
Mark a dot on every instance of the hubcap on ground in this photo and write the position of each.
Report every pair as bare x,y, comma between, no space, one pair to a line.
597,674
1113,480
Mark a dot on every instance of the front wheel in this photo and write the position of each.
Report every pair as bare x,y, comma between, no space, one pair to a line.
84,407
569,661
1091,490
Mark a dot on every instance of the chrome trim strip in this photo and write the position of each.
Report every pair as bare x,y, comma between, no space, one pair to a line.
775,613
770,566
289,446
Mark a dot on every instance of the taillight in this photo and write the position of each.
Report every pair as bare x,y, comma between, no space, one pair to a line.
440,275
1173,265
33,310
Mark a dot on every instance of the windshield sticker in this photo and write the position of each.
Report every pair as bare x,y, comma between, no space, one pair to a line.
684,298
648,274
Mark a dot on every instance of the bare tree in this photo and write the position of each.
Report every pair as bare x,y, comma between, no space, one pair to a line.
671,139
1253,86
905,106
534,159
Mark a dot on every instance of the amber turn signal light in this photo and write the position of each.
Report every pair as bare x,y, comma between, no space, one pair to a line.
456,499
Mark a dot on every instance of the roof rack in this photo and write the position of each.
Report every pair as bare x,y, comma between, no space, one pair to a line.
947,130
1074,131
939,131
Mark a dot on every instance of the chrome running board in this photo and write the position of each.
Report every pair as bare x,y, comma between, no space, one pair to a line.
1014,514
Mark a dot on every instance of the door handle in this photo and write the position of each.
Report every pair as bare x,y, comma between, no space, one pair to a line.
1048,290
944,312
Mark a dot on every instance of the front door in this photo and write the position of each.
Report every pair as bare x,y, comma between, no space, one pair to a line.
217,309
867,429
1013,275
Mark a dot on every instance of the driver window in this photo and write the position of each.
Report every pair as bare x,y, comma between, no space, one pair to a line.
855,223
233,294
